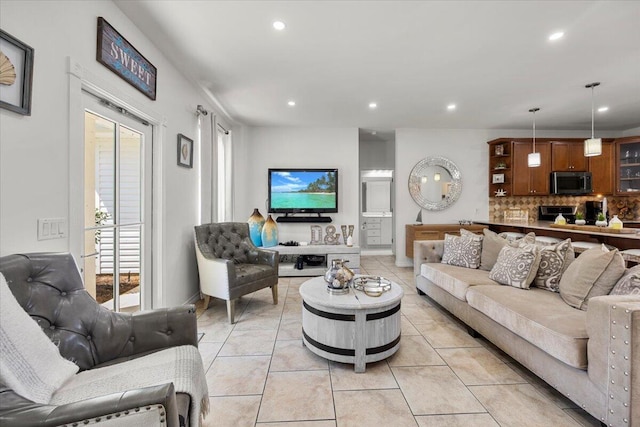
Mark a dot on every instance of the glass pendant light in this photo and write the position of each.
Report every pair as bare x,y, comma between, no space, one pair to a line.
592,146
533,159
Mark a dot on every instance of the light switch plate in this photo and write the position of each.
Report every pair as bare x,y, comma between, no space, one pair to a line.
52,228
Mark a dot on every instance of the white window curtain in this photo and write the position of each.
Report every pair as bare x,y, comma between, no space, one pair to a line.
223,176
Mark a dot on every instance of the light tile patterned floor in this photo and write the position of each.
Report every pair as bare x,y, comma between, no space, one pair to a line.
259,374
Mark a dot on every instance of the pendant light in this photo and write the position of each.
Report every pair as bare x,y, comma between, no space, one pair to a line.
533,159
592,146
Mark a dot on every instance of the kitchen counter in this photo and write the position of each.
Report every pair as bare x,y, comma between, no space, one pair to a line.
543,228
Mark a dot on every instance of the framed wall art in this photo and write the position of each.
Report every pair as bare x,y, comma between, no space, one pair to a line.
185,151
118,55
498,178
16,74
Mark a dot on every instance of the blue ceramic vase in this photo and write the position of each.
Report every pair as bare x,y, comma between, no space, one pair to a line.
270,233
256,222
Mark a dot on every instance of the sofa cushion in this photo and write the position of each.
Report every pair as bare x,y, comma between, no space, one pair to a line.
538,316
516,266
30,363
455,280
594,273
554,260
463,251
629,283
246,273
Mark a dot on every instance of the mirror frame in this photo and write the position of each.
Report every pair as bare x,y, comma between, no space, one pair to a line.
415,179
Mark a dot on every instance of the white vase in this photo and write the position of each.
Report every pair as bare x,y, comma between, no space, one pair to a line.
615,223
580,222
601,223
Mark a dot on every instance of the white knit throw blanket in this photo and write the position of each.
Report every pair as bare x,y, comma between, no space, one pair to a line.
180,365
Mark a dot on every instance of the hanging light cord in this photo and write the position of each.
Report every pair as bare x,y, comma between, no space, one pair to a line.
533,110
592,86
592,113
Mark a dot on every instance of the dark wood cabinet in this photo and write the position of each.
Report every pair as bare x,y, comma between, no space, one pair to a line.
602,170
529,181
568,157
627,167
500,168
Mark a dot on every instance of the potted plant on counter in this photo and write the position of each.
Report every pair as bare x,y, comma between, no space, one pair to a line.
601,221
580,219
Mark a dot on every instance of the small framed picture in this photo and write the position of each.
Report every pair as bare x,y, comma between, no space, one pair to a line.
16,62
498,178
499,150
185,151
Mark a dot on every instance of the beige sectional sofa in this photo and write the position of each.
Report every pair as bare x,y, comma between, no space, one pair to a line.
592,356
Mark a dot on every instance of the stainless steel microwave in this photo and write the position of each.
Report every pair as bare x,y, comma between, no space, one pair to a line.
570,183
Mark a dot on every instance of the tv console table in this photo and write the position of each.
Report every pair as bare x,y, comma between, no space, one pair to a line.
330,252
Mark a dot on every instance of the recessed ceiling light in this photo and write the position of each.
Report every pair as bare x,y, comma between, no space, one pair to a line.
603,109
557,35
451,107
373,132
278,25
373,105
291,103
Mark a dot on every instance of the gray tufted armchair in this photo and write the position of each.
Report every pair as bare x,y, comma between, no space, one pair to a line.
49,288
230,265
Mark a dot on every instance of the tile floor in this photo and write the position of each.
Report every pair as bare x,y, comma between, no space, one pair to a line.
259,374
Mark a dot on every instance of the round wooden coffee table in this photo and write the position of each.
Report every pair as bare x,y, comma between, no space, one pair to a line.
351,328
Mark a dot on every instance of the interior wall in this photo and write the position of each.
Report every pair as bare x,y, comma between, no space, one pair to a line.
467,148
376,155
34,150
259,148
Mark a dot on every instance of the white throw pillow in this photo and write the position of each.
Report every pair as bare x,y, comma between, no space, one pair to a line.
463,251
30,363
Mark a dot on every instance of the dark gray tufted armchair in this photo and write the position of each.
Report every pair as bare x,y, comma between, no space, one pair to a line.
50,289
230,265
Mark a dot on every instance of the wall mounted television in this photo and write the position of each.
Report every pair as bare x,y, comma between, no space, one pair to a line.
303,191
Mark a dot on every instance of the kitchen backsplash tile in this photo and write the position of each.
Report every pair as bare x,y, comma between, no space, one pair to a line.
627,208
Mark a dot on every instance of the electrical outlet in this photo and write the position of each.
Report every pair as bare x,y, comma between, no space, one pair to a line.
52,228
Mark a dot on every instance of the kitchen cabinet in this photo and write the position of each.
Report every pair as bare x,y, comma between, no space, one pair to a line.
530,181
627,166
500,168
602,170
434,232
568,157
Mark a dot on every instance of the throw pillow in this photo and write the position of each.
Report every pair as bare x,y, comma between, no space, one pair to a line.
593,273
463,251
629,283
516,267
492,244
527,239
554,260
30,363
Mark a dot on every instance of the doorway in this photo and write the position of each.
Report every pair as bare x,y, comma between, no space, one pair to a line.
377,168
116,260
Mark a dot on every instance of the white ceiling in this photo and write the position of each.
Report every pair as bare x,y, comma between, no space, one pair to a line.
491,58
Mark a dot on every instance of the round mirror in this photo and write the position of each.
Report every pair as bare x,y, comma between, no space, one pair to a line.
435,183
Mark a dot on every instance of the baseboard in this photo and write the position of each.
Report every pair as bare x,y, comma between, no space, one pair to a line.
194,299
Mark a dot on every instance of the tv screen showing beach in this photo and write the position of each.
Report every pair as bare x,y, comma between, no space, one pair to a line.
293,190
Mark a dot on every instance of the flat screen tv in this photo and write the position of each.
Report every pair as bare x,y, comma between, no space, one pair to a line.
303,190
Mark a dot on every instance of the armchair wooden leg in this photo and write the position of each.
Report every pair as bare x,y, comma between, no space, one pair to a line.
231,310
207,300
274,292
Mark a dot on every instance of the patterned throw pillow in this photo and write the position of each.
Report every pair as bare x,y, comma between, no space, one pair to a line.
554,260
527,239
463,251
629,284
516,267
